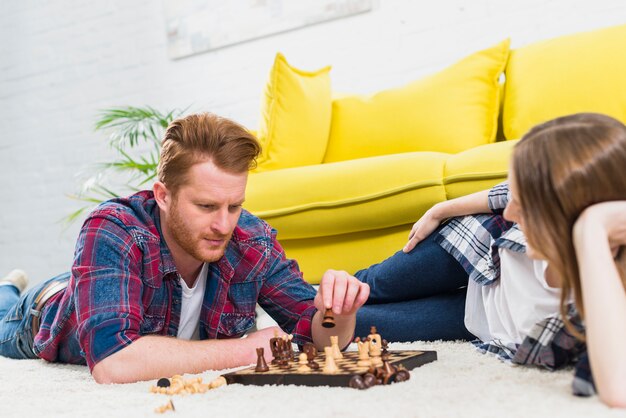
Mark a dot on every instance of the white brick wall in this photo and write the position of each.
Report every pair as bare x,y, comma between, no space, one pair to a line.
62,61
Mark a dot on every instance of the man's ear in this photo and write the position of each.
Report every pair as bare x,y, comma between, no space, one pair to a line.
162,196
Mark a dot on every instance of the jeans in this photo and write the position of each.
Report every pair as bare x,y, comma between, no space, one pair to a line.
415,296
16,319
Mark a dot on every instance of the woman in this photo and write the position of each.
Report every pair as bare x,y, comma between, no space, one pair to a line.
468,278
568,189
513,295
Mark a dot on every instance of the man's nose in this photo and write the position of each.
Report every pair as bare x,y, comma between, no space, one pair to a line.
221,222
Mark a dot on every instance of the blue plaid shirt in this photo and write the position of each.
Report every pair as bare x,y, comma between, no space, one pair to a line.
124,285
474,242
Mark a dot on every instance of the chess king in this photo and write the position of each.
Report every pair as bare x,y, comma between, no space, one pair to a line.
165,281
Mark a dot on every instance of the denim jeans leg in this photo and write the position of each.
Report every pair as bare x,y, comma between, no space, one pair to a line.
439,317
9,295
16,334
427,270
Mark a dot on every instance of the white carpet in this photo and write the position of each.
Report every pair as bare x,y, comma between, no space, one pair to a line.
461,383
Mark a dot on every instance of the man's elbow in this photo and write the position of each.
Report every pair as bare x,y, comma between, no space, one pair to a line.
107,372
101,375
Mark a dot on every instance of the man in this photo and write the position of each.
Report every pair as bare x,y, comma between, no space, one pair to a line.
165,281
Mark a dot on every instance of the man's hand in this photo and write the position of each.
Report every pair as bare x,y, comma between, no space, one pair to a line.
261,338
344,293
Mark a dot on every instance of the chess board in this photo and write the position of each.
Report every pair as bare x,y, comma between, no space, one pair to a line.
348,368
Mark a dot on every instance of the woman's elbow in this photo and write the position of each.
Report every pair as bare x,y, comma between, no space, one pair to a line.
614,396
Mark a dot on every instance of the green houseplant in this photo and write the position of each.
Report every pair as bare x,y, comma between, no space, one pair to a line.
134,133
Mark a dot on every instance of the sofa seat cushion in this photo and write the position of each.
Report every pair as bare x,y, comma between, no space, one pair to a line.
477,168
370,193
349,196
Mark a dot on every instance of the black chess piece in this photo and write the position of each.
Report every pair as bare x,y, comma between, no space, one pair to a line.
369,379
261,365
275,344
357,382
311,352
329,319
402,375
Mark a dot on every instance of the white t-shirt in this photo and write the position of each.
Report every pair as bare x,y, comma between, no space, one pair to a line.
191,305
506,311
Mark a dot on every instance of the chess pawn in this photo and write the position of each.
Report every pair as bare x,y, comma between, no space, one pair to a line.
288,347
330,367
334,344
304,368
261,365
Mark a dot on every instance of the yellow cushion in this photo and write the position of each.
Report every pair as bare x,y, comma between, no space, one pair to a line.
345,197
349,197
477,168
450,111
295,118
585,72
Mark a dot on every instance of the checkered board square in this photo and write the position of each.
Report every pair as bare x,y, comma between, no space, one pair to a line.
348,368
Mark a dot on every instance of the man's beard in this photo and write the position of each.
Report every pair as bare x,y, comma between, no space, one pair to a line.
185,239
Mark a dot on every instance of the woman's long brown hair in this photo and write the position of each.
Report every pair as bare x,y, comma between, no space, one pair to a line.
560,168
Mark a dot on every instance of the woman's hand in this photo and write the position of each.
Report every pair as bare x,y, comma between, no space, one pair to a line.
423,228
610,217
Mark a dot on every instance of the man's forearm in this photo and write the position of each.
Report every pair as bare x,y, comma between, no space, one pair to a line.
151,357
344,329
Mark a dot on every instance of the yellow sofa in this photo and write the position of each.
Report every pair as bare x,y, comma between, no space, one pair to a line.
343,178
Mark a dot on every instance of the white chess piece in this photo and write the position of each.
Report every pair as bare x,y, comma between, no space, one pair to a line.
330,367
334,344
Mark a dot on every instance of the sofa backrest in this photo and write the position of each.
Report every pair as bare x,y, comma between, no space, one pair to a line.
584,72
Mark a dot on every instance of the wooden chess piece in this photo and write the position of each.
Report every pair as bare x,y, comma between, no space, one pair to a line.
334,344
402,374
311,352
375,342
329,319
275,344
330,367
310,348
287,347
357,382
364,356
304,368
389,370
261,365
369,379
